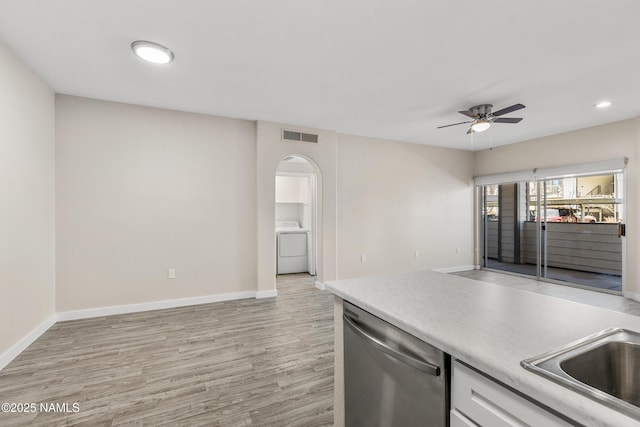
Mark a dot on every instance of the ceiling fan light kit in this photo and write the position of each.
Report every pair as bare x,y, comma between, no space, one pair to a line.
481,126
483,117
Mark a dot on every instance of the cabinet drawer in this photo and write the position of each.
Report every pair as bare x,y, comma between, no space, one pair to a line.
459,420
487,403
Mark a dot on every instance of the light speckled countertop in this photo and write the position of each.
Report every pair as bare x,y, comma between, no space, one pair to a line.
492,328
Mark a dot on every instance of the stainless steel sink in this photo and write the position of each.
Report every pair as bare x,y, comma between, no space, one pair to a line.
604,366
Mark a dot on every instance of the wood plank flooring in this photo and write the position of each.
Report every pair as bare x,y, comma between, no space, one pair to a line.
266,362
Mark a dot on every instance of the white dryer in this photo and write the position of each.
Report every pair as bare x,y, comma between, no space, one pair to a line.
292,247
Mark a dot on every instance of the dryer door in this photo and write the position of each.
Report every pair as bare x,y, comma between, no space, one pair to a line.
292,244
292,253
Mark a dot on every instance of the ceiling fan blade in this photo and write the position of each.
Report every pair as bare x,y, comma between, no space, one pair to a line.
507,120
514,107
454,124
469,114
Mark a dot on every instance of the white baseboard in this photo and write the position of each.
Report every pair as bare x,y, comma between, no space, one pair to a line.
321,286
267,294
20,346
456,269
156,305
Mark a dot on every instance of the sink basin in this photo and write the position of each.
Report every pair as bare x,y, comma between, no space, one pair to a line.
604,366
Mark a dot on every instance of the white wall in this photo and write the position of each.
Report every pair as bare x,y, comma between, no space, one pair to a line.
141,190
293,189
27,204
295,167
397,198
615,140
289,211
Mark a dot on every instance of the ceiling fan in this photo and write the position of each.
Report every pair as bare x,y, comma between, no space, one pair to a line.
483,117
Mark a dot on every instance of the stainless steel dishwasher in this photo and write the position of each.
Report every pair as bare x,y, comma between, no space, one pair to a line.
391,377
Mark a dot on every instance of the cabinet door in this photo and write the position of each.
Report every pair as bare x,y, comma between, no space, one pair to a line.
487,403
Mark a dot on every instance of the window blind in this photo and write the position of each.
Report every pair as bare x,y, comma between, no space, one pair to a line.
594,168
505,178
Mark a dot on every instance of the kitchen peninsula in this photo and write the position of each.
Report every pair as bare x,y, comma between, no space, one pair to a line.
490,328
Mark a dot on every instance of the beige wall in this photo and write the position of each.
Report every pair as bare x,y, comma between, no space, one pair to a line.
27,242
141,190
270,151
397,198
615,140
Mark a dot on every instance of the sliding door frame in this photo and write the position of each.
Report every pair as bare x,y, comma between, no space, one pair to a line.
541,177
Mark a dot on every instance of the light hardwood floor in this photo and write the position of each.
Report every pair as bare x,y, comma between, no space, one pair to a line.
265,362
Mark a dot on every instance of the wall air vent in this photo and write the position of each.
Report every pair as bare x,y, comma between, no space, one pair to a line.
291,135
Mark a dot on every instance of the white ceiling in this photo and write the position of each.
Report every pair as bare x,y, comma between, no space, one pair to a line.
382,68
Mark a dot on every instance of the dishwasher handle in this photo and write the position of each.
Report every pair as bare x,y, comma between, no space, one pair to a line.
402,357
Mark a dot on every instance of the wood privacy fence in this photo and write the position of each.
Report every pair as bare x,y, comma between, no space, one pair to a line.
594,248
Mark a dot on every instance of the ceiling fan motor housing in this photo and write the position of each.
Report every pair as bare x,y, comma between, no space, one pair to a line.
481,110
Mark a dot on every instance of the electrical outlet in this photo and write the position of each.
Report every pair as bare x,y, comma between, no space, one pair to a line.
457,251
417,254
363,258
171,273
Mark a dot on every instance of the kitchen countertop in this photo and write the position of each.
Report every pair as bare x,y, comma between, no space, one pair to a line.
492,328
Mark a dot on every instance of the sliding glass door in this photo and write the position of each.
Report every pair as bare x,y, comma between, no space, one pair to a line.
567,229
502,227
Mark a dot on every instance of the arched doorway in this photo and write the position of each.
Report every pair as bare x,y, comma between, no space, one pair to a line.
297,216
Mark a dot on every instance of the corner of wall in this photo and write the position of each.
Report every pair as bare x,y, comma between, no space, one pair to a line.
15,350
27,292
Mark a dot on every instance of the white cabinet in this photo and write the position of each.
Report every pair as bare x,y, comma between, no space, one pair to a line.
478,401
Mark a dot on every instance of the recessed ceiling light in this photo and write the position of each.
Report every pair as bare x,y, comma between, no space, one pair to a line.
152,52
603,104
